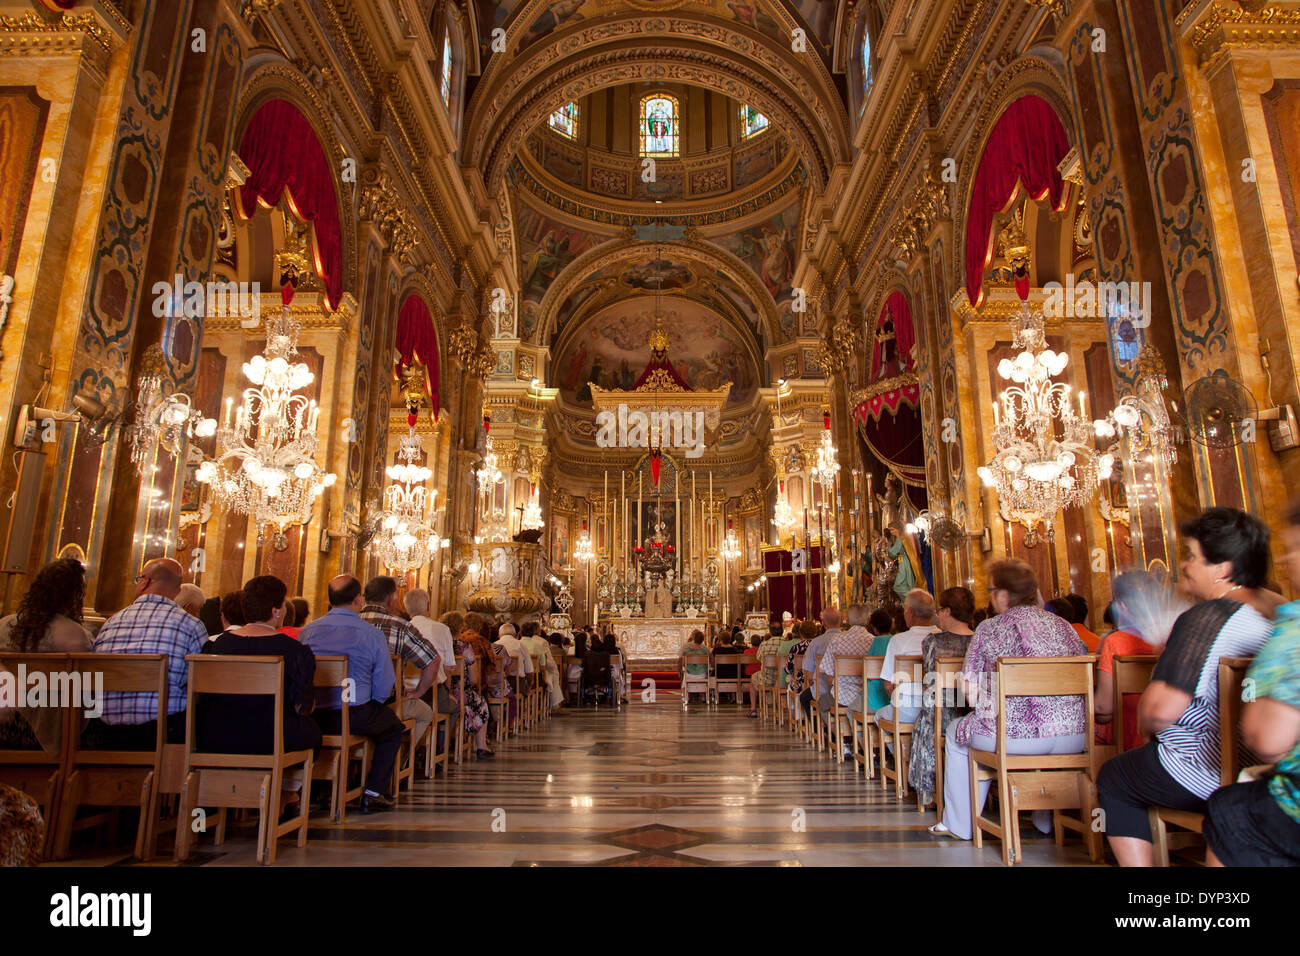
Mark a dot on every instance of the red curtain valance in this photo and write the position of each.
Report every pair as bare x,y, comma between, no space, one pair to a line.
282,152
417,340
891,359
1025,147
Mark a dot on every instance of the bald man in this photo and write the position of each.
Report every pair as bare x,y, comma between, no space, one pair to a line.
342,631
152,624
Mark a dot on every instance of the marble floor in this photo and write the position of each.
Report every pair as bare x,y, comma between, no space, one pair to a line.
646,785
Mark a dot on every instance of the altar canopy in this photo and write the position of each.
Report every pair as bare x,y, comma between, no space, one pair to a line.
888,407
282,154
1025,148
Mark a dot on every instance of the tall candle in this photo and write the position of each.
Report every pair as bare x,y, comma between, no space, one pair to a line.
640,536
604,510
694,553
622,541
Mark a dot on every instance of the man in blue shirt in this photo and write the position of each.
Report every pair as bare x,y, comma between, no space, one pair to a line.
370,684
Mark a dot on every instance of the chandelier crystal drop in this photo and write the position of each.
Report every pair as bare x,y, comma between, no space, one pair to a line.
265,465
405,540
1045,460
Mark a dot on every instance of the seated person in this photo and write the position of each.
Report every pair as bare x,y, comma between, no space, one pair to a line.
1258,823
918,614
762,675
153,624
236,724
855,642
48,622
1034,725
371,682
695,658
1226,559
1130,591
956,609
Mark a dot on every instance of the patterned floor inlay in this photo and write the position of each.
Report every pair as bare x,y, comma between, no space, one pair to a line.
647,785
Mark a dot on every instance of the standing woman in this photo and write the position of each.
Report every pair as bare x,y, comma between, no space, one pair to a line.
956,610
48,621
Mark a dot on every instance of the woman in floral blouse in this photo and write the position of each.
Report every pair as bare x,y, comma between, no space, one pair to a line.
956,609
1035,725
476,708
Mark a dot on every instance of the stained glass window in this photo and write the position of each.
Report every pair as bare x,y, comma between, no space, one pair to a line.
866,61
660,134
751,121
446,67
565,120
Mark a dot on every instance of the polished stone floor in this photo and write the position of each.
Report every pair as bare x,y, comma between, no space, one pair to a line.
647,785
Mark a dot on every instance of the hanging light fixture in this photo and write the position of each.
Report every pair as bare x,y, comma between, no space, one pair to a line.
488,473
828,465
532,517
730,549
1045,460
783,518
584,551
405,541
162,420
265,465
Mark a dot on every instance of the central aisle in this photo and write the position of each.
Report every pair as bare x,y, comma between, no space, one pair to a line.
647,785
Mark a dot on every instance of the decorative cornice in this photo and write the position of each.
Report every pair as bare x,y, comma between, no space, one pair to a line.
95,33
1221,26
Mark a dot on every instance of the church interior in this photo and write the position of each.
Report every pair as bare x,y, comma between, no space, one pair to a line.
601,324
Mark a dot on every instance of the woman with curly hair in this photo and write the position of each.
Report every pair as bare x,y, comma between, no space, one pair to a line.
48,621
477,711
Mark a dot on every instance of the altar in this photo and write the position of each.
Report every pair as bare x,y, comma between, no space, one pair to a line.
654,638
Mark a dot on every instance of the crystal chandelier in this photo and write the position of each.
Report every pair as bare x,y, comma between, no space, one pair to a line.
532,518
1045,460
488,473
730,549
783,518
828,465
265,465
584,551
1142,418
404,541
162,420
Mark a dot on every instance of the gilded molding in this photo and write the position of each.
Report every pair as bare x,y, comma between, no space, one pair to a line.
1222,26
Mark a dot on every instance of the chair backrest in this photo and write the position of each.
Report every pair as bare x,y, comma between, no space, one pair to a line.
332,672
848,665
773,662
1232,674
947,677
596,668
242,675
124,674
1045,677
22,665
1132,675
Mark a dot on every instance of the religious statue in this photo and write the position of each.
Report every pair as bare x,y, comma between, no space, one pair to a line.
885,573
902,551
658,601
891,503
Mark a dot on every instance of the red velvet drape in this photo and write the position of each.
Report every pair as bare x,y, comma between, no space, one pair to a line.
417,339
282,152
1027,143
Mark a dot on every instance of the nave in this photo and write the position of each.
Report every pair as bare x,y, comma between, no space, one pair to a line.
645,785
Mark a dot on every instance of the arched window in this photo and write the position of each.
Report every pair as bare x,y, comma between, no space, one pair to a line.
751,121
446,67
866,61
660,134
565,120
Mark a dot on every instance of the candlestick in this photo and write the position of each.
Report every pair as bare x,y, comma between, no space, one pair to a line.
640,535
694,552
604,509
996,418
1083,412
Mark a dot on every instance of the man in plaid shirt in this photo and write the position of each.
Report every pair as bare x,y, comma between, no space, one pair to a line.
152,624
765,676
408,644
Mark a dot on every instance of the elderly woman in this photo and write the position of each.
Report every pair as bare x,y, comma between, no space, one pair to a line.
1224,569
477,711
1035,725
956,609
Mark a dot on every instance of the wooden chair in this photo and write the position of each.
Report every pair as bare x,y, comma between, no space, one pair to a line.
241,780
734,684
1033,782
871,741
697,683
789,697
900,732
458,702
845,666
40,773
432,758
118,778
947,679
499,706
1232,673
404,761
769,692
1132,675
339,751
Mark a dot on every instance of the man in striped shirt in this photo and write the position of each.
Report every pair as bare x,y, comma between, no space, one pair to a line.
1224,568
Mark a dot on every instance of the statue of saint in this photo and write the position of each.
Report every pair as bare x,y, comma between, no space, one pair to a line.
891,503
